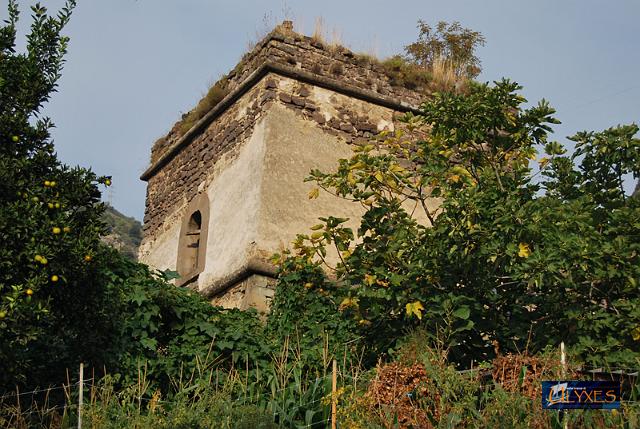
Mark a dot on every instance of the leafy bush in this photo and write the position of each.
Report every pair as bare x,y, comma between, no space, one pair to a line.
450,43
304,314
459,237
173,333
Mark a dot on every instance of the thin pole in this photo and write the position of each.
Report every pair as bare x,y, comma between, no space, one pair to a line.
563,363
334,399
81,386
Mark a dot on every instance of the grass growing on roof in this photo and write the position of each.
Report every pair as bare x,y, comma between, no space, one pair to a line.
214,96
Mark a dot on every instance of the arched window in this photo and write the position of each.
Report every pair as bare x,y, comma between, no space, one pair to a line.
192,244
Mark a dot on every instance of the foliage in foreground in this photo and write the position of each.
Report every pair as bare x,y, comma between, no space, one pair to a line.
417,389
420,389
64,297
461,235
49,216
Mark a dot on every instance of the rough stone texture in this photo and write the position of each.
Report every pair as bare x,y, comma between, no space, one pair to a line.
306,53
256,291
251,161
177,182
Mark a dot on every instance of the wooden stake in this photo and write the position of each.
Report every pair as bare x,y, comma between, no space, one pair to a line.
81,385
334,398
563,363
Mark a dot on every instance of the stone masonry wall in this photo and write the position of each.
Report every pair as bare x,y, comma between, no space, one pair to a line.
176,183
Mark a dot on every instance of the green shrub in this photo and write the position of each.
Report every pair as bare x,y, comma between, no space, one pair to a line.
459,236
406,74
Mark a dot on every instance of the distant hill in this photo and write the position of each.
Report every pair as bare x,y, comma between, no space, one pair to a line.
125,233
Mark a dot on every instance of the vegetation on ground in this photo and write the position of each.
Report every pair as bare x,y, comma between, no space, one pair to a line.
489,254
417,389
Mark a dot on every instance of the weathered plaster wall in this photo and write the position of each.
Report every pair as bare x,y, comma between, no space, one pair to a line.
176,183
219,148
299,140
255,183
235,195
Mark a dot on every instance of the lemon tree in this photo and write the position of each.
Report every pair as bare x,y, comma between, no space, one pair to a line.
50,213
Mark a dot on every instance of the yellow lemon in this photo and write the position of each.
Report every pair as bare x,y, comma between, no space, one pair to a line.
37,258
15,139
56,230
47,183
51,205
52,183
87,258
29,292
107,182
57,205
67,229
54,278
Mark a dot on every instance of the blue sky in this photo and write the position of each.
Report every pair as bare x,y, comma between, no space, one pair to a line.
134,66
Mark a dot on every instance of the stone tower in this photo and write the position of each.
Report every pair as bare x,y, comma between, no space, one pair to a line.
228,191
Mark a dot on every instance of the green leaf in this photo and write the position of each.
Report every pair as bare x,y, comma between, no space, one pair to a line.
462,313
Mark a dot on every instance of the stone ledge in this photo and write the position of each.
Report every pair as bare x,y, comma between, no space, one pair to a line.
253,266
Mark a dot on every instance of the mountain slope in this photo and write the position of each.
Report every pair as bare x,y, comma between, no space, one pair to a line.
125,233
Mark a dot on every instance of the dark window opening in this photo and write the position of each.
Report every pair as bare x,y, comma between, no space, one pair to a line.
192,242
192,251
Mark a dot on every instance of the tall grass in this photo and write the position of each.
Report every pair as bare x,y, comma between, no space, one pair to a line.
279,393
214,95
419,389
444,77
